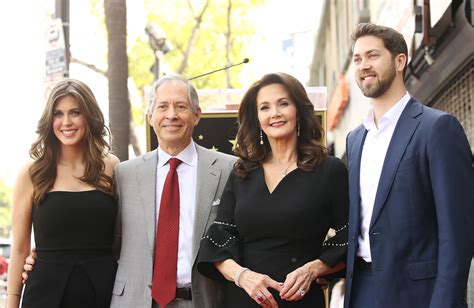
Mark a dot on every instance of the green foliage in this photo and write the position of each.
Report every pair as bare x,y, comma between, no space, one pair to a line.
141,59
209,52
97,9
5,209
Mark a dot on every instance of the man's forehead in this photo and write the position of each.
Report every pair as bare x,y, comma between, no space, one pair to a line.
172,88
368,43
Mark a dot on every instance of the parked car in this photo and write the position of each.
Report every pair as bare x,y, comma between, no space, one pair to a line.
5,246
3,266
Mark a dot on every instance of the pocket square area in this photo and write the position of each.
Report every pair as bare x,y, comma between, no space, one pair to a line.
216,202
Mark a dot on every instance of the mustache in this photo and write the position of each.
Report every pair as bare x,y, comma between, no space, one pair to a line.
364,74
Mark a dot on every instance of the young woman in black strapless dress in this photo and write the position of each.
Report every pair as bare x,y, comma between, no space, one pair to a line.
66,194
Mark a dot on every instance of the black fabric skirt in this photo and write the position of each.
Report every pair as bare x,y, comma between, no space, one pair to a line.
68,280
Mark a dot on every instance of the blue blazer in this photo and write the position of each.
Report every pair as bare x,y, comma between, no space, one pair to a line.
421,231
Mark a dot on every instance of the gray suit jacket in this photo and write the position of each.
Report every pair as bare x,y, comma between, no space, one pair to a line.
135,231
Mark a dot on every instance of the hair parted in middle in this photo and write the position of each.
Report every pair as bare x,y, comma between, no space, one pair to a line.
46,149
251,153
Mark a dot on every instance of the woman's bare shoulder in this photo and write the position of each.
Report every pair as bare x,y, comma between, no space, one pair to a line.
23,183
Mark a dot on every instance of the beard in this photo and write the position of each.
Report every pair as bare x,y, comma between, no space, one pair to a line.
381,86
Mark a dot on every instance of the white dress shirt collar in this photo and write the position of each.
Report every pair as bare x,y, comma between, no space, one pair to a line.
391,116
187,156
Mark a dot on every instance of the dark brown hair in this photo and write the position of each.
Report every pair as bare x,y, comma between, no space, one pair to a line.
392,39
251,153
45,150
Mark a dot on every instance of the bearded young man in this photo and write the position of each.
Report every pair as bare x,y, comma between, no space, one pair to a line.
410,188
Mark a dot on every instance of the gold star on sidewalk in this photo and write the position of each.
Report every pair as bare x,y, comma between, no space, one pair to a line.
233,142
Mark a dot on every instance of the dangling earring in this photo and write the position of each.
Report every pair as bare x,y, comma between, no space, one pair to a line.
261,137
298,129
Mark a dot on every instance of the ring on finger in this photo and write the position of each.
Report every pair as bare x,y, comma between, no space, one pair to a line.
260,297
302,292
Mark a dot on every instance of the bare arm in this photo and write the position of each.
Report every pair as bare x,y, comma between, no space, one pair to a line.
21,231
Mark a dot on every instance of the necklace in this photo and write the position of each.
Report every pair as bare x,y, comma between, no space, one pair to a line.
285,172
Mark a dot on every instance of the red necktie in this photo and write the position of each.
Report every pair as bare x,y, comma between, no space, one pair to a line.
163,288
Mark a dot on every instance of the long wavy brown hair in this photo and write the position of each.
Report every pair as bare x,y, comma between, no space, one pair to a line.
251,153
45,151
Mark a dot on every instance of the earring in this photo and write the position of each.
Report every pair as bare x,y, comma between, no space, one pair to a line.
298,130
261,137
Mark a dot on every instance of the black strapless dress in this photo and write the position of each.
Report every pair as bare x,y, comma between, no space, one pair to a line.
75,265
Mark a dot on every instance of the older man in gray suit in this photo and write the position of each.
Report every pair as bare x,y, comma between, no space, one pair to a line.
173,112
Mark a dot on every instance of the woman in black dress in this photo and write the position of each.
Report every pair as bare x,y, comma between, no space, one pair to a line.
66,193
267,243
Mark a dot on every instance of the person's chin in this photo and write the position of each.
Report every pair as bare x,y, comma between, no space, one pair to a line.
281,136
70,142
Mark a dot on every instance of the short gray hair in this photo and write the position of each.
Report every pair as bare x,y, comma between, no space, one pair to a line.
192,93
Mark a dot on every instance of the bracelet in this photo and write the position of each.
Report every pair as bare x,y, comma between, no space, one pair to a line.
237,275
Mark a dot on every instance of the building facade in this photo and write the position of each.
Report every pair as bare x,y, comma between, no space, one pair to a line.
440,38
441,61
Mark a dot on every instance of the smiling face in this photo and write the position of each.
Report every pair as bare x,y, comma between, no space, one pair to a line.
375,68
172,117
69,122
276,112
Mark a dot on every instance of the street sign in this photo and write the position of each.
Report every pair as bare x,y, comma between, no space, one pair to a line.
56,61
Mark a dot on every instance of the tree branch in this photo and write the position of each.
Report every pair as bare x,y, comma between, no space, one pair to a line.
89,66
193,37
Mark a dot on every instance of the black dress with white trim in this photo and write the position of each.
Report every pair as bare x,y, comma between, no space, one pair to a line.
275,233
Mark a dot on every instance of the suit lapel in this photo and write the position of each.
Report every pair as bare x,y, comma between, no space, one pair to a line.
402,135
208,176
146,178
357,145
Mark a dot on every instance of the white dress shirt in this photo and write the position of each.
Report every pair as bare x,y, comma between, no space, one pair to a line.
187,174
371,163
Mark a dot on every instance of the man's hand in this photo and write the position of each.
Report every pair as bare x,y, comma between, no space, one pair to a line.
29,264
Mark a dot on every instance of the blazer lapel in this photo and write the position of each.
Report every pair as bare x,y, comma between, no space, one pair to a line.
402,135
354,177
208,177
146,178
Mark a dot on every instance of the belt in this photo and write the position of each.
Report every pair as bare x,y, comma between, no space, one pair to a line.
360,263
184,294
